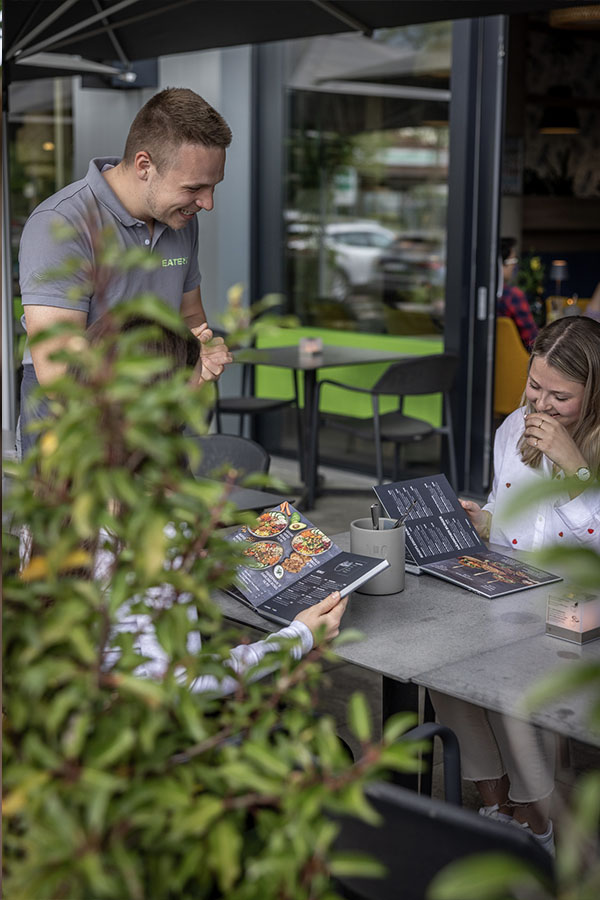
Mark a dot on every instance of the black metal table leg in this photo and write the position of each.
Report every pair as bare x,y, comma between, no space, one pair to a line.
310,424
398,696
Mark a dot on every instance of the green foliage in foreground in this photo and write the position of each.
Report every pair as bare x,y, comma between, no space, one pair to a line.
119,785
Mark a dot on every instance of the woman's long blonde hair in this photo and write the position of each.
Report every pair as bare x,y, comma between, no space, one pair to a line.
571,345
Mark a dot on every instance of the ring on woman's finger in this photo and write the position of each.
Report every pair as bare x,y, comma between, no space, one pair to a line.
537,440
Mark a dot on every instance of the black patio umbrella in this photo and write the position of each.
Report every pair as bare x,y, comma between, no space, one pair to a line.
125,30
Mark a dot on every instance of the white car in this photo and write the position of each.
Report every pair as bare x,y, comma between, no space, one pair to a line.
354,248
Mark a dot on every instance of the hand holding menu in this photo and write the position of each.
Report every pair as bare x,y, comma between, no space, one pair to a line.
292,565
441,540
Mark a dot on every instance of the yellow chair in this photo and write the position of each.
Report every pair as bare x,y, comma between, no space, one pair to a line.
510,372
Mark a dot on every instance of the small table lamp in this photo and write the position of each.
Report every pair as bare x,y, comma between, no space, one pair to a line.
559,272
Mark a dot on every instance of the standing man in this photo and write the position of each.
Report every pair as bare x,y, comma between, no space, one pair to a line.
174,158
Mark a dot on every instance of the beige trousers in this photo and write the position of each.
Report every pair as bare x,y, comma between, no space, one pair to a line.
493,744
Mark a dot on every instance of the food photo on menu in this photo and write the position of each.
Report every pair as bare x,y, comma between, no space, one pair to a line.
289,564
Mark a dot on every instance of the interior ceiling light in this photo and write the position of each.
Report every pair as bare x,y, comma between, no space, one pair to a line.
576,17
559,115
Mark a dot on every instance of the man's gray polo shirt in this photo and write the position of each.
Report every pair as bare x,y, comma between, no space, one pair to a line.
89,206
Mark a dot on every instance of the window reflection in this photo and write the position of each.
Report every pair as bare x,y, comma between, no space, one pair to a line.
40,146
367,165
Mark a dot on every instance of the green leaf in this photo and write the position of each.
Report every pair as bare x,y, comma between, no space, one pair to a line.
359,717
579,674
197,821
191,715
403,756
150,692
398,724
266,758
580,566
113,748
347,636
150,306
153,542
356,865
14,802
354,801
488,876
38,751
129,865
61,231
224,850
73,738
578,843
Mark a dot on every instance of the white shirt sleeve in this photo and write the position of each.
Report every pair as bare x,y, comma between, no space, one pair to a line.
244,656
581,516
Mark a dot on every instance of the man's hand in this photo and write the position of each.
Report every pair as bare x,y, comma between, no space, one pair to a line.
327,613
214,355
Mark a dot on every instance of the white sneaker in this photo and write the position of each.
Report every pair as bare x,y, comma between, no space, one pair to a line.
546,840
493,812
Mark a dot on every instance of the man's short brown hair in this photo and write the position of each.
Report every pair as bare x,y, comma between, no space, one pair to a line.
171,118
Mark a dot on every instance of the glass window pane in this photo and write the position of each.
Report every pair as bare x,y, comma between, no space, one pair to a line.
367,168
40,148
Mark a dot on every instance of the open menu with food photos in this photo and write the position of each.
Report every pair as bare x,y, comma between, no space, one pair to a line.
441,540
290,564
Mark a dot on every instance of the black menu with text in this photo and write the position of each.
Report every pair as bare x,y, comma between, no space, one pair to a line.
441,540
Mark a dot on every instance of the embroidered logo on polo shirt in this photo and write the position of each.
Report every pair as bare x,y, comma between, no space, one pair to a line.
178,261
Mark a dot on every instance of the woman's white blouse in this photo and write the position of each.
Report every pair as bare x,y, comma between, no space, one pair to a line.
550,521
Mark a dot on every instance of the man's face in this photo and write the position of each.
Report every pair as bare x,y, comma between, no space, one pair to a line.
175,195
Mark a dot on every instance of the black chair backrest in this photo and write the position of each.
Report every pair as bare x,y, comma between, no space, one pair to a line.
422,375
419,836
219,450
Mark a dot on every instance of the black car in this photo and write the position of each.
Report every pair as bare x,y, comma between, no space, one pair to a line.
412,270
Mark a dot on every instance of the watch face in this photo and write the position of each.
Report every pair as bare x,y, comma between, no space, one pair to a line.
583,473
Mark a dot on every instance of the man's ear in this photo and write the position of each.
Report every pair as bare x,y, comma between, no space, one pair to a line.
142,164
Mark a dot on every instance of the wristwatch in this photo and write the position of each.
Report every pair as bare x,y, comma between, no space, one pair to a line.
583,473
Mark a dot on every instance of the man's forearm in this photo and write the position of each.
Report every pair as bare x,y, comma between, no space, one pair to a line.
40,318
192,309
194,320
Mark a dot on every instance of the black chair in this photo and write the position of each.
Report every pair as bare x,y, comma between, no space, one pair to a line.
243,454
246,403
419,836
409,377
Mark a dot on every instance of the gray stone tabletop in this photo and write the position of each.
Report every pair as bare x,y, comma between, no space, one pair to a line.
433,623
430,624
499,679
444,637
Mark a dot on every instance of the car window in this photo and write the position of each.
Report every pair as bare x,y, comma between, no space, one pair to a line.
381,240
352,238
355,238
